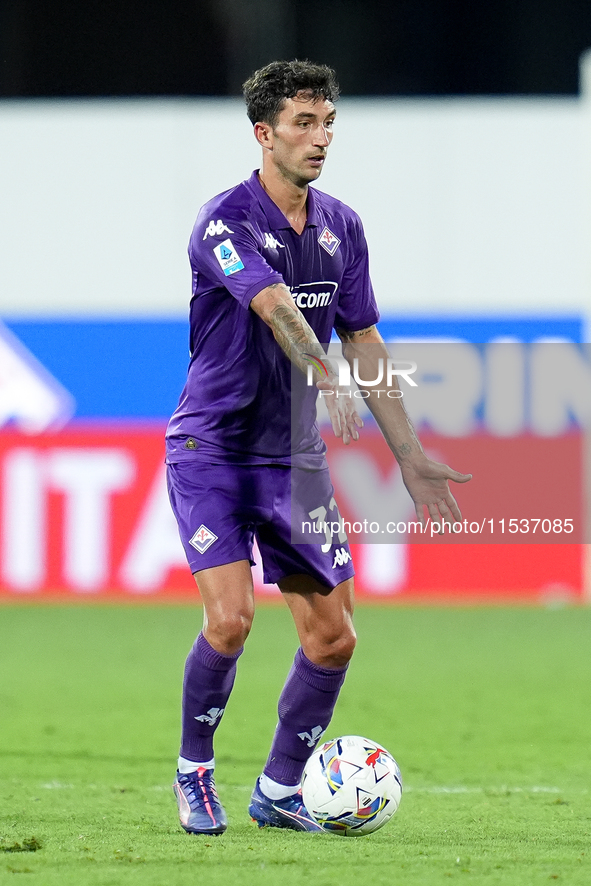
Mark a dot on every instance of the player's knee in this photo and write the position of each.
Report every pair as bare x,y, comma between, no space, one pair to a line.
229,631
343,649
334,650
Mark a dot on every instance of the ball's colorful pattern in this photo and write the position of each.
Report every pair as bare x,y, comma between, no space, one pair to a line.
351,786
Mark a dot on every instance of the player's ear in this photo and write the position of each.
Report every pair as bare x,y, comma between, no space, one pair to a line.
263,134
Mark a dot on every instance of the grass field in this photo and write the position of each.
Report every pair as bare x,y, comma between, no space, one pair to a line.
488,712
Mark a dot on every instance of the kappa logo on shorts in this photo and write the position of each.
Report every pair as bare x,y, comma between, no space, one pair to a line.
341,557
329,241
203,539
229,260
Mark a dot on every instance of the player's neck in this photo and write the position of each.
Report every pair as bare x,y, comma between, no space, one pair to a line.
289,197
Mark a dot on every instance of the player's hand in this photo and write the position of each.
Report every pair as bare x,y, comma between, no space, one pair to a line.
343,415
427,482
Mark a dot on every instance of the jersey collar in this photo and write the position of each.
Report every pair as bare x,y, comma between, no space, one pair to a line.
277,221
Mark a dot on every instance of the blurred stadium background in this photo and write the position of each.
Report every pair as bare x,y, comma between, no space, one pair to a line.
463,142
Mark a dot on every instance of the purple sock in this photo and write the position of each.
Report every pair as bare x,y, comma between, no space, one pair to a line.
305,708
208,681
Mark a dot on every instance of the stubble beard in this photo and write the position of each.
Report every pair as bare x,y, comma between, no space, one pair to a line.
299,178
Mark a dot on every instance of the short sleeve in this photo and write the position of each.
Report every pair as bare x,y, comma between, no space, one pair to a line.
225,253
357,308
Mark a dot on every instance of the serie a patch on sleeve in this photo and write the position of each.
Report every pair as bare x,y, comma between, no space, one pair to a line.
229,260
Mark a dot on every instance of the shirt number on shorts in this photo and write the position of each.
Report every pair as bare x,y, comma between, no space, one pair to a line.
328,526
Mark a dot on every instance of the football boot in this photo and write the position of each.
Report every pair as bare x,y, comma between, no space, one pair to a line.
287,813
200,810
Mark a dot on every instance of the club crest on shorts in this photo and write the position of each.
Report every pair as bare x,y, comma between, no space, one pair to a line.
329,241
203,539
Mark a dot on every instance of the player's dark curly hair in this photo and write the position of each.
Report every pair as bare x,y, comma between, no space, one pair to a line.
266,90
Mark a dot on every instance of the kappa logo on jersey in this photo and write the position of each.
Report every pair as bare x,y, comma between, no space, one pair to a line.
203,539
216,229
314,295
341,557
311,737
329,241
211,716
229,260
272,243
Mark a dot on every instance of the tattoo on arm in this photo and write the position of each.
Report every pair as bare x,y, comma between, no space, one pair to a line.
294,335
289,327
405,449
396,427
346,336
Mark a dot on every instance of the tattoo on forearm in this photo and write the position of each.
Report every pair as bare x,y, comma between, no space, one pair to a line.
295,336
405,449
394,424
289,327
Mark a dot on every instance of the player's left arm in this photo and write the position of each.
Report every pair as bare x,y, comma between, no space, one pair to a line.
275,306
427,481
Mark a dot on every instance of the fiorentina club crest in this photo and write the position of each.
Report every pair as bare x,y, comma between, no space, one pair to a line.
203,539
329,241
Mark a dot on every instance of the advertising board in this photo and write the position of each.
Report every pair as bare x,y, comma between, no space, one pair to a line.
83,504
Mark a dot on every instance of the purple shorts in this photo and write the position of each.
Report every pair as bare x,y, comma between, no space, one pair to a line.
221,509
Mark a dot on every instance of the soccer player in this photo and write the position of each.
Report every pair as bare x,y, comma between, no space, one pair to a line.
276,266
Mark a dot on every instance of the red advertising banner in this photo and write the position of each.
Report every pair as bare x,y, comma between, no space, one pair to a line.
84,514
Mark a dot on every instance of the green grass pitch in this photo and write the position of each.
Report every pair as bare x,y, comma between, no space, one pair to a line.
487,710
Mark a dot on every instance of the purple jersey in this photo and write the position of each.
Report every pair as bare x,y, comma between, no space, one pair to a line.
237,403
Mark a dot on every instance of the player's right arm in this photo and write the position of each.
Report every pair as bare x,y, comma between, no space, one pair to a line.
294,335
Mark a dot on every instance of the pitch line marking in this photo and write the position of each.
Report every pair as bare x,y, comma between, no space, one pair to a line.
496,789
432,789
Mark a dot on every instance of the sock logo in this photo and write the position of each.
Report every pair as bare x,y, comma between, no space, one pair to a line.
211,716
311,737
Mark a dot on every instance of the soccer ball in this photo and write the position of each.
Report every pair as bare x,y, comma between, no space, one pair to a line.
351,786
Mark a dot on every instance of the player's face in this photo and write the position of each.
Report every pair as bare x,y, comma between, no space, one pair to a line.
300,138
